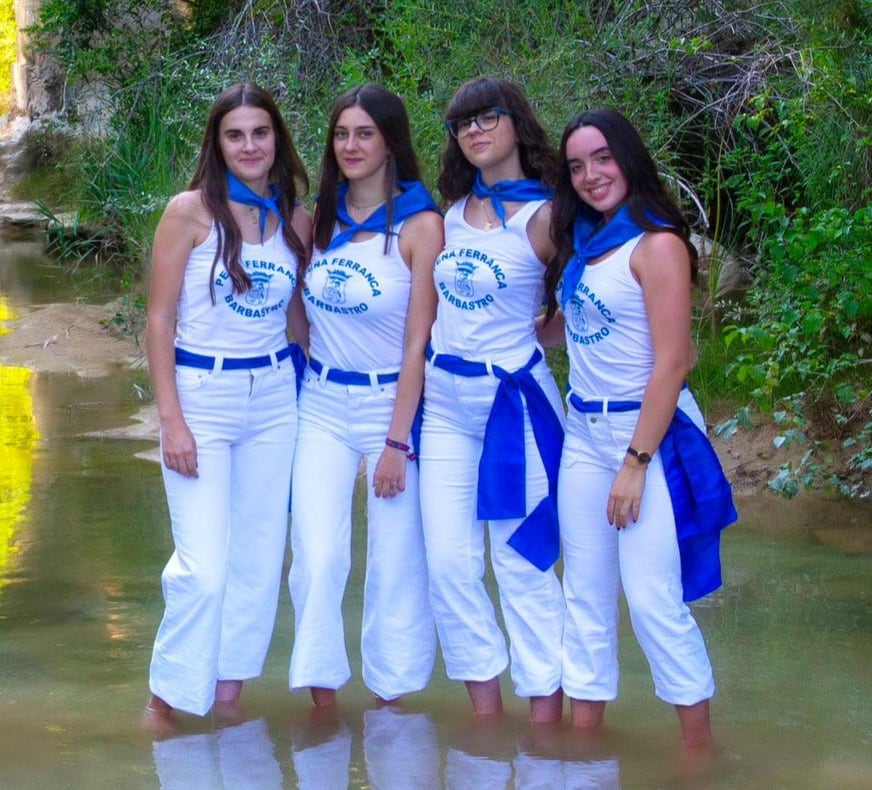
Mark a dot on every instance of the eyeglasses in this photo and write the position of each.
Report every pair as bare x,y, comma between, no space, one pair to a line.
484,120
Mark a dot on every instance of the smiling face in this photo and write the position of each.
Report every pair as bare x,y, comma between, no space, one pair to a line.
358,145
248,144
595,175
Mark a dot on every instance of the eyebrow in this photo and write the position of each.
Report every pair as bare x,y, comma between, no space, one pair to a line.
592,153
256,128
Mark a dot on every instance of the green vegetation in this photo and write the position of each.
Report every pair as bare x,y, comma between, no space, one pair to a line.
758,111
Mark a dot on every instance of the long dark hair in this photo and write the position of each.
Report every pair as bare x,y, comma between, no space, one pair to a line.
538,158
646,194
210,178
389,115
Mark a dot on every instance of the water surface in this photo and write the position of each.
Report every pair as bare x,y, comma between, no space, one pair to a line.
83,539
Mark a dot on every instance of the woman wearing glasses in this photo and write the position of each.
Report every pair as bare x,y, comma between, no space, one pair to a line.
370,303
493,419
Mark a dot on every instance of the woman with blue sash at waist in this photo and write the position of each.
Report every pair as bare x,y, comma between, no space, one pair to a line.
493,417
369,300
641,495
223,284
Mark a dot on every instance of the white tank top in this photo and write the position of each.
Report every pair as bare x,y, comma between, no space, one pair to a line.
356,299
490,286
608,338
237,324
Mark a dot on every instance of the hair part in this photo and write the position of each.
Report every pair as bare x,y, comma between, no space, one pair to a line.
538,158
388,112
287,172
647,195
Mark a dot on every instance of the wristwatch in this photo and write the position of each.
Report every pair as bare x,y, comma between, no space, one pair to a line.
642,457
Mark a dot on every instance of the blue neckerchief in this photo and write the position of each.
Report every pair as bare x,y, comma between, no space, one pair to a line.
240,193
524,190
413,199
588,242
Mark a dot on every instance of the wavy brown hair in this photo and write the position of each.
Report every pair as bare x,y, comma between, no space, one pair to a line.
389,115
538,158
647,195
287,172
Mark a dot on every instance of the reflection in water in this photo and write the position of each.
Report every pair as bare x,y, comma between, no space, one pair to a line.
18,436
233,757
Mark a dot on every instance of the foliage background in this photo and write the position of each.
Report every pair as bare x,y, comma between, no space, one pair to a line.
757,110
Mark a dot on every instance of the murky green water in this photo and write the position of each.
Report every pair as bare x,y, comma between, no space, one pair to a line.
83,538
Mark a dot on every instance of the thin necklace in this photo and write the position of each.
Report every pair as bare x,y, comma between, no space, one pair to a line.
488,219
253,215
362,208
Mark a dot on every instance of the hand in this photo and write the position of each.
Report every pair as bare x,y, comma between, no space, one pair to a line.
179,449
625,498
390,473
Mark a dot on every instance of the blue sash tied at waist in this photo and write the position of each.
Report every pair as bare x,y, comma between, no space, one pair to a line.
502,478
702,499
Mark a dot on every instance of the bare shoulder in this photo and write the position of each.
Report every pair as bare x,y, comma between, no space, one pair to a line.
189,206
424,222
657,246
539,233
660,252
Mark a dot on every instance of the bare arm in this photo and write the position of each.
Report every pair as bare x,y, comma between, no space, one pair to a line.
662,266
551,333
297,321
184,224
423,239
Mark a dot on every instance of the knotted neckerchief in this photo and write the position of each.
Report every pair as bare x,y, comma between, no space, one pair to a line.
590,242
241,193
413,198
523,190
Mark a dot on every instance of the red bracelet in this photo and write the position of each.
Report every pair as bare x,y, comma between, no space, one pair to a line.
404,447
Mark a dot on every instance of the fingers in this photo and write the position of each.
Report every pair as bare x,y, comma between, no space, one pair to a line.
183,463
386,490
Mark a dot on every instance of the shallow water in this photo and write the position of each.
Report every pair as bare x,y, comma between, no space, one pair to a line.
84,536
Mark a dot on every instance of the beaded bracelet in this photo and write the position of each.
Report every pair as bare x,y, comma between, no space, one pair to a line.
400,446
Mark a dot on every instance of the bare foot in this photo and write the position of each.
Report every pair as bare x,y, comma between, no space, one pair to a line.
486,697
228,714
158,718
323,697
228,690
381,702
547,710
586,714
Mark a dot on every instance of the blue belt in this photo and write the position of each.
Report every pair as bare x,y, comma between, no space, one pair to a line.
192,360
502,478
352,377
603,406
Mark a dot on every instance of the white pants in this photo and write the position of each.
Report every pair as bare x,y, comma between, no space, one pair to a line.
456,409
229,526
643,558
340,425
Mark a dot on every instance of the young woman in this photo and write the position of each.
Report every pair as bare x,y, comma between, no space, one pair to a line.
493,417
369,299
223,276
635,449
